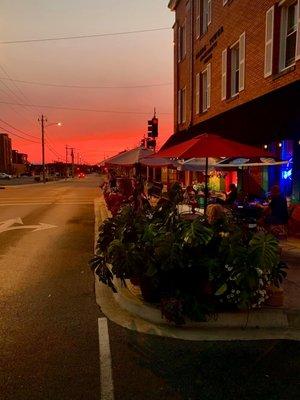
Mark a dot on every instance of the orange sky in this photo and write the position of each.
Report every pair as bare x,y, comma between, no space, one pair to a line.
126,60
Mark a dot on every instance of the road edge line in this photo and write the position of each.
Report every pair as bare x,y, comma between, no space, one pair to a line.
97,221
106,379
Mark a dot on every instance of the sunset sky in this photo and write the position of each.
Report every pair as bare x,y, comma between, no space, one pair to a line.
121,60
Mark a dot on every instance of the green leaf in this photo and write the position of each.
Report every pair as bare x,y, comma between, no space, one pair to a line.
152,270
263,250
221,290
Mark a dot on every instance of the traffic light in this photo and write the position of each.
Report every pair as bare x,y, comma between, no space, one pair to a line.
153,127
151,143
150,127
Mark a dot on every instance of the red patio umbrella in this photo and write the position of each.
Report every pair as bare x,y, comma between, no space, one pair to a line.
211,145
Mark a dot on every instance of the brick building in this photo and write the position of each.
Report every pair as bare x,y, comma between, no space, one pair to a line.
237,73
5,153
19,163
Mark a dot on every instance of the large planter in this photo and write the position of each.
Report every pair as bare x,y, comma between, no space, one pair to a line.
149,292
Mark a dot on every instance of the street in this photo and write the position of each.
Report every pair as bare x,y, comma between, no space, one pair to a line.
49,339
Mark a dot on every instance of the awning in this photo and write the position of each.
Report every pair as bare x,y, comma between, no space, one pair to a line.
251,162
196,164
158,162
128,158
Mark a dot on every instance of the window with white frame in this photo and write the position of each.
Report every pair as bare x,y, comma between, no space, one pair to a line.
202,16
287,47
181,103
203,90
288,34
197,91
181,42
233,68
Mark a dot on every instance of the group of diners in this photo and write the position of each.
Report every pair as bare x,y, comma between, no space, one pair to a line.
270,211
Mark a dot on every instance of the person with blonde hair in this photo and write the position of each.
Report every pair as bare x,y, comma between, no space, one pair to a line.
215,213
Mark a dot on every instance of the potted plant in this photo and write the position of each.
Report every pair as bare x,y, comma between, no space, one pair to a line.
190,267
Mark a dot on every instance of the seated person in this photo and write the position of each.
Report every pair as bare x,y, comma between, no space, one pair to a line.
277,210
189,197
215,214
231,196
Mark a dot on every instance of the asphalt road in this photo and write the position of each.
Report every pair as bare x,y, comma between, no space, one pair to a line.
49,340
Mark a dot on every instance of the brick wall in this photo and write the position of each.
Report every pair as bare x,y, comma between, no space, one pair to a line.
236,17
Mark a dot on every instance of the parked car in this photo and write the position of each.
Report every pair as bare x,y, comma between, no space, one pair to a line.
3,175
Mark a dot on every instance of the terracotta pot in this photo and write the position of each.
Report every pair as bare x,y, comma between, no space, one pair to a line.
276,296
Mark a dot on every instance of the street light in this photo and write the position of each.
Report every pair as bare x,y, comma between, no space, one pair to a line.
42,121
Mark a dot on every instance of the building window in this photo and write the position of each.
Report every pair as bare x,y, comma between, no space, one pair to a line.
203,90
233,68
282,41
288,34
203,17
181,101
181,41
197,91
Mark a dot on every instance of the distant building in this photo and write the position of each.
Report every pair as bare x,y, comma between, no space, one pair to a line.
237,73
5,153
19,162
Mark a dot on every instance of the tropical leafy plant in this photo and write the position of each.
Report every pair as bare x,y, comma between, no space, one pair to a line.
194,268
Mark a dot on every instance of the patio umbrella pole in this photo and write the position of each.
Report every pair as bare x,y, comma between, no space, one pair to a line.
206,185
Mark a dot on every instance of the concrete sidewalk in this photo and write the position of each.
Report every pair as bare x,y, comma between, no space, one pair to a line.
291,286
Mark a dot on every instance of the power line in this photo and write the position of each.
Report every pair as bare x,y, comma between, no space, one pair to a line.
21,114
84,109
17,129
87,87
84,36
14,134
14,84
52,150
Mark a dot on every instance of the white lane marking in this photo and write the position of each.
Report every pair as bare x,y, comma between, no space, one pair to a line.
97,221
47,203
9,225
39,227
10,222
106,379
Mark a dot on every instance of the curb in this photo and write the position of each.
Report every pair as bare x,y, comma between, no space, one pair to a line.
264,318
207,332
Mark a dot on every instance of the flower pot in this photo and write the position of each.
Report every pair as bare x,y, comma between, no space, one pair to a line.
276,296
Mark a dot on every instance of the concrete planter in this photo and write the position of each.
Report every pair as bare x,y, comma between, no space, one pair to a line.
264,318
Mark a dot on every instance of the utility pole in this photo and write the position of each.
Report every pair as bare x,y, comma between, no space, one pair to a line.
72,157
42,121
66,161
